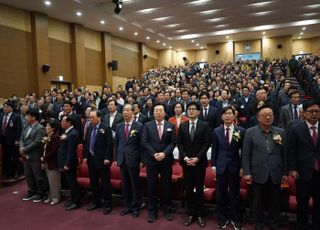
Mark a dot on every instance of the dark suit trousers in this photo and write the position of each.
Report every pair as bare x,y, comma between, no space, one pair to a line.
36,177
194,178
305,189
165,170
130,186
100,190
270,192
10,159
228,202
71,176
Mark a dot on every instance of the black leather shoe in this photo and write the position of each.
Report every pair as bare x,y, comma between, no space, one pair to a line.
188,221
72,207
201,222
125,212
93,206
107,210
68,203
135,214
168,216
152,218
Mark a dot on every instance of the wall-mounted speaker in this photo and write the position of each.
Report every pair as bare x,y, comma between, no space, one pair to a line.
279,46
45,68
114,65
217,51
184,58
145,56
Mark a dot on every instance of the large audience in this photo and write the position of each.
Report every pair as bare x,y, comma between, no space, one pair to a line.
246,119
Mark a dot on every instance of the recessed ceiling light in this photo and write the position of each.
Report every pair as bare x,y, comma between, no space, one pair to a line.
262,13
48,3
170,47
199,2
158,41
259,4
147,37
313,6
182,31
197,44
164,44
227,37
299,37
135,33
304,28
172,25
209,11
201,47
147,11
161,18
264,32
79,13
102,22
120,28
192,41
301,33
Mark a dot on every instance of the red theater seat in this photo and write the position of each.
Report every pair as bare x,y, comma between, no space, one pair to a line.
177,172
83,176
115,176
210,186
244,189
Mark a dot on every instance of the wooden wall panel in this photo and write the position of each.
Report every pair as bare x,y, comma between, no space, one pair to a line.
93,60
59,30
255,46
15,18
16,66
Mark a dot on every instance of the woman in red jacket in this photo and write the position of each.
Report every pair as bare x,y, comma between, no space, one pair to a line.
178,118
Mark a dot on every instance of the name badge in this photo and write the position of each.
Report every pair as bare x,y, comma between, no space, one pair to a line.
11,124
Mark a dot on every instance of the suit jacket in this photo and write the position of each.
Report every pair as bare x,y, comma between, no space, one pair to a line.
286,115
301,149
67,153
243,110
197,147
103,146
142,118
220,105
32,143
128,152
117,119
260,162
13,129
51,151
213,117
224,156
152,144
173,120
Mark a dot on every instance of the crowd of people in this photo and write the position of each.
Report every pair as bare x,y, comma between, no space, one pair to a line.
247,114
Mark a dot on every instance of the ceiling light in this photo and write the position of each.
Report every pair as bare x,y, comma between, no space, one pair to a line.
201,47
220,26
264,32
146,11
47,3
197,44
299,37
135,33
164,44
262,13
259,4
102,22
147,37
309,14
301,33
304,28
118,7
120,28
78,13
199,2
227,37
181,31
313,6
215,19
161,18
209,11
158,41
170,47
192,41
172,25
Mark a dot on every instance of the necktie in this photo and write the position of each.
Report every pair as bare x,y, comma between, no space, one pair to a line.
192,130
135,118
295,112
93,140
85,130
4,125
315,140
205,112
227,136
159,130
126,130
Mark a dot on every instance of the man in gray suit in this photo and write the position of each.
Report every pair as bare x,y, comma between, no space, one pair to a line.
290,111
32,149
264,163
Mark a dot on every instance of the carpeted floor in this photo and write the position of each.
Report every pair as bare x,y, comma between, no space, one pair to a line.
16,214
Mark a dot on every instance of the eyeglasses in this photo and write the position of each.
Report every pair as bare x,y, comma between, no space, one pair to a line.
265,115
313,111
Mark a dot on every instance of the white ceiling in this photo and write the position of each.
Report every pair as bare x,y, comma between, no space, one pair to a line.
177,22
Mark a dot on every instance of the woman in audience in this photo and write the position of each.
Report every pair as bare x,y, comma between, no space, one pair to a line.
50,162
178,118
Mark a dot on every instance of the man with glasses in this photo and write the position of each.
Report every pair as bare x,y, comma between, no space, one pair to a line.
304,163
264,162
290,111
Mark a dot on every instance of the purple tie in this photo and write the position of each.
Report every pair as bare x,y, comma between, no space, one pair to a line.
315,140
93,140
227,136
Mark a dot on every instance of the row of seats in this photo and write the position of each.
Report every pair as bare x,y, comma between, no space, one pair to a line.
289,190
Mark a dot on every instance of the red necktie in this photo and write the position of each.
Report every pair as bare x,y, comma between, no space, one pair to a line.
315,140
126,130
4,125
227,135
159,131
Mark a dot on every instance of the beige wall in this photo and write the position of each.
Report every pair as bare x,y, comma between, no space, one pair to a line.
152,60
270,47
225,52
165,57
301,46
239,47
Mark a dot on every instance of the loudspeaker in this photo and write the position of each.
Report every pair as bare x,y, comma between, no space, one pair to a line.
145,56
114,65
217,51
279,46
45,68
184,58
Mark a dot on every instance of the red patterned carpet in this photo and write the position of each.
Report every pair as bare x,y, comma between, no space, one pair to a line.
17,214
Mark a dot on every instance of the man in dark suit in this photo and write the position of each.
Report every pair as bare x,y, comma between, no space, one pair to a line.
304,163
264,163
67,160
290,111
193,144
226,163
98,149
31,149
225,101
11,128
128,155
242,106
113,118
137,115
208,113
159,140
